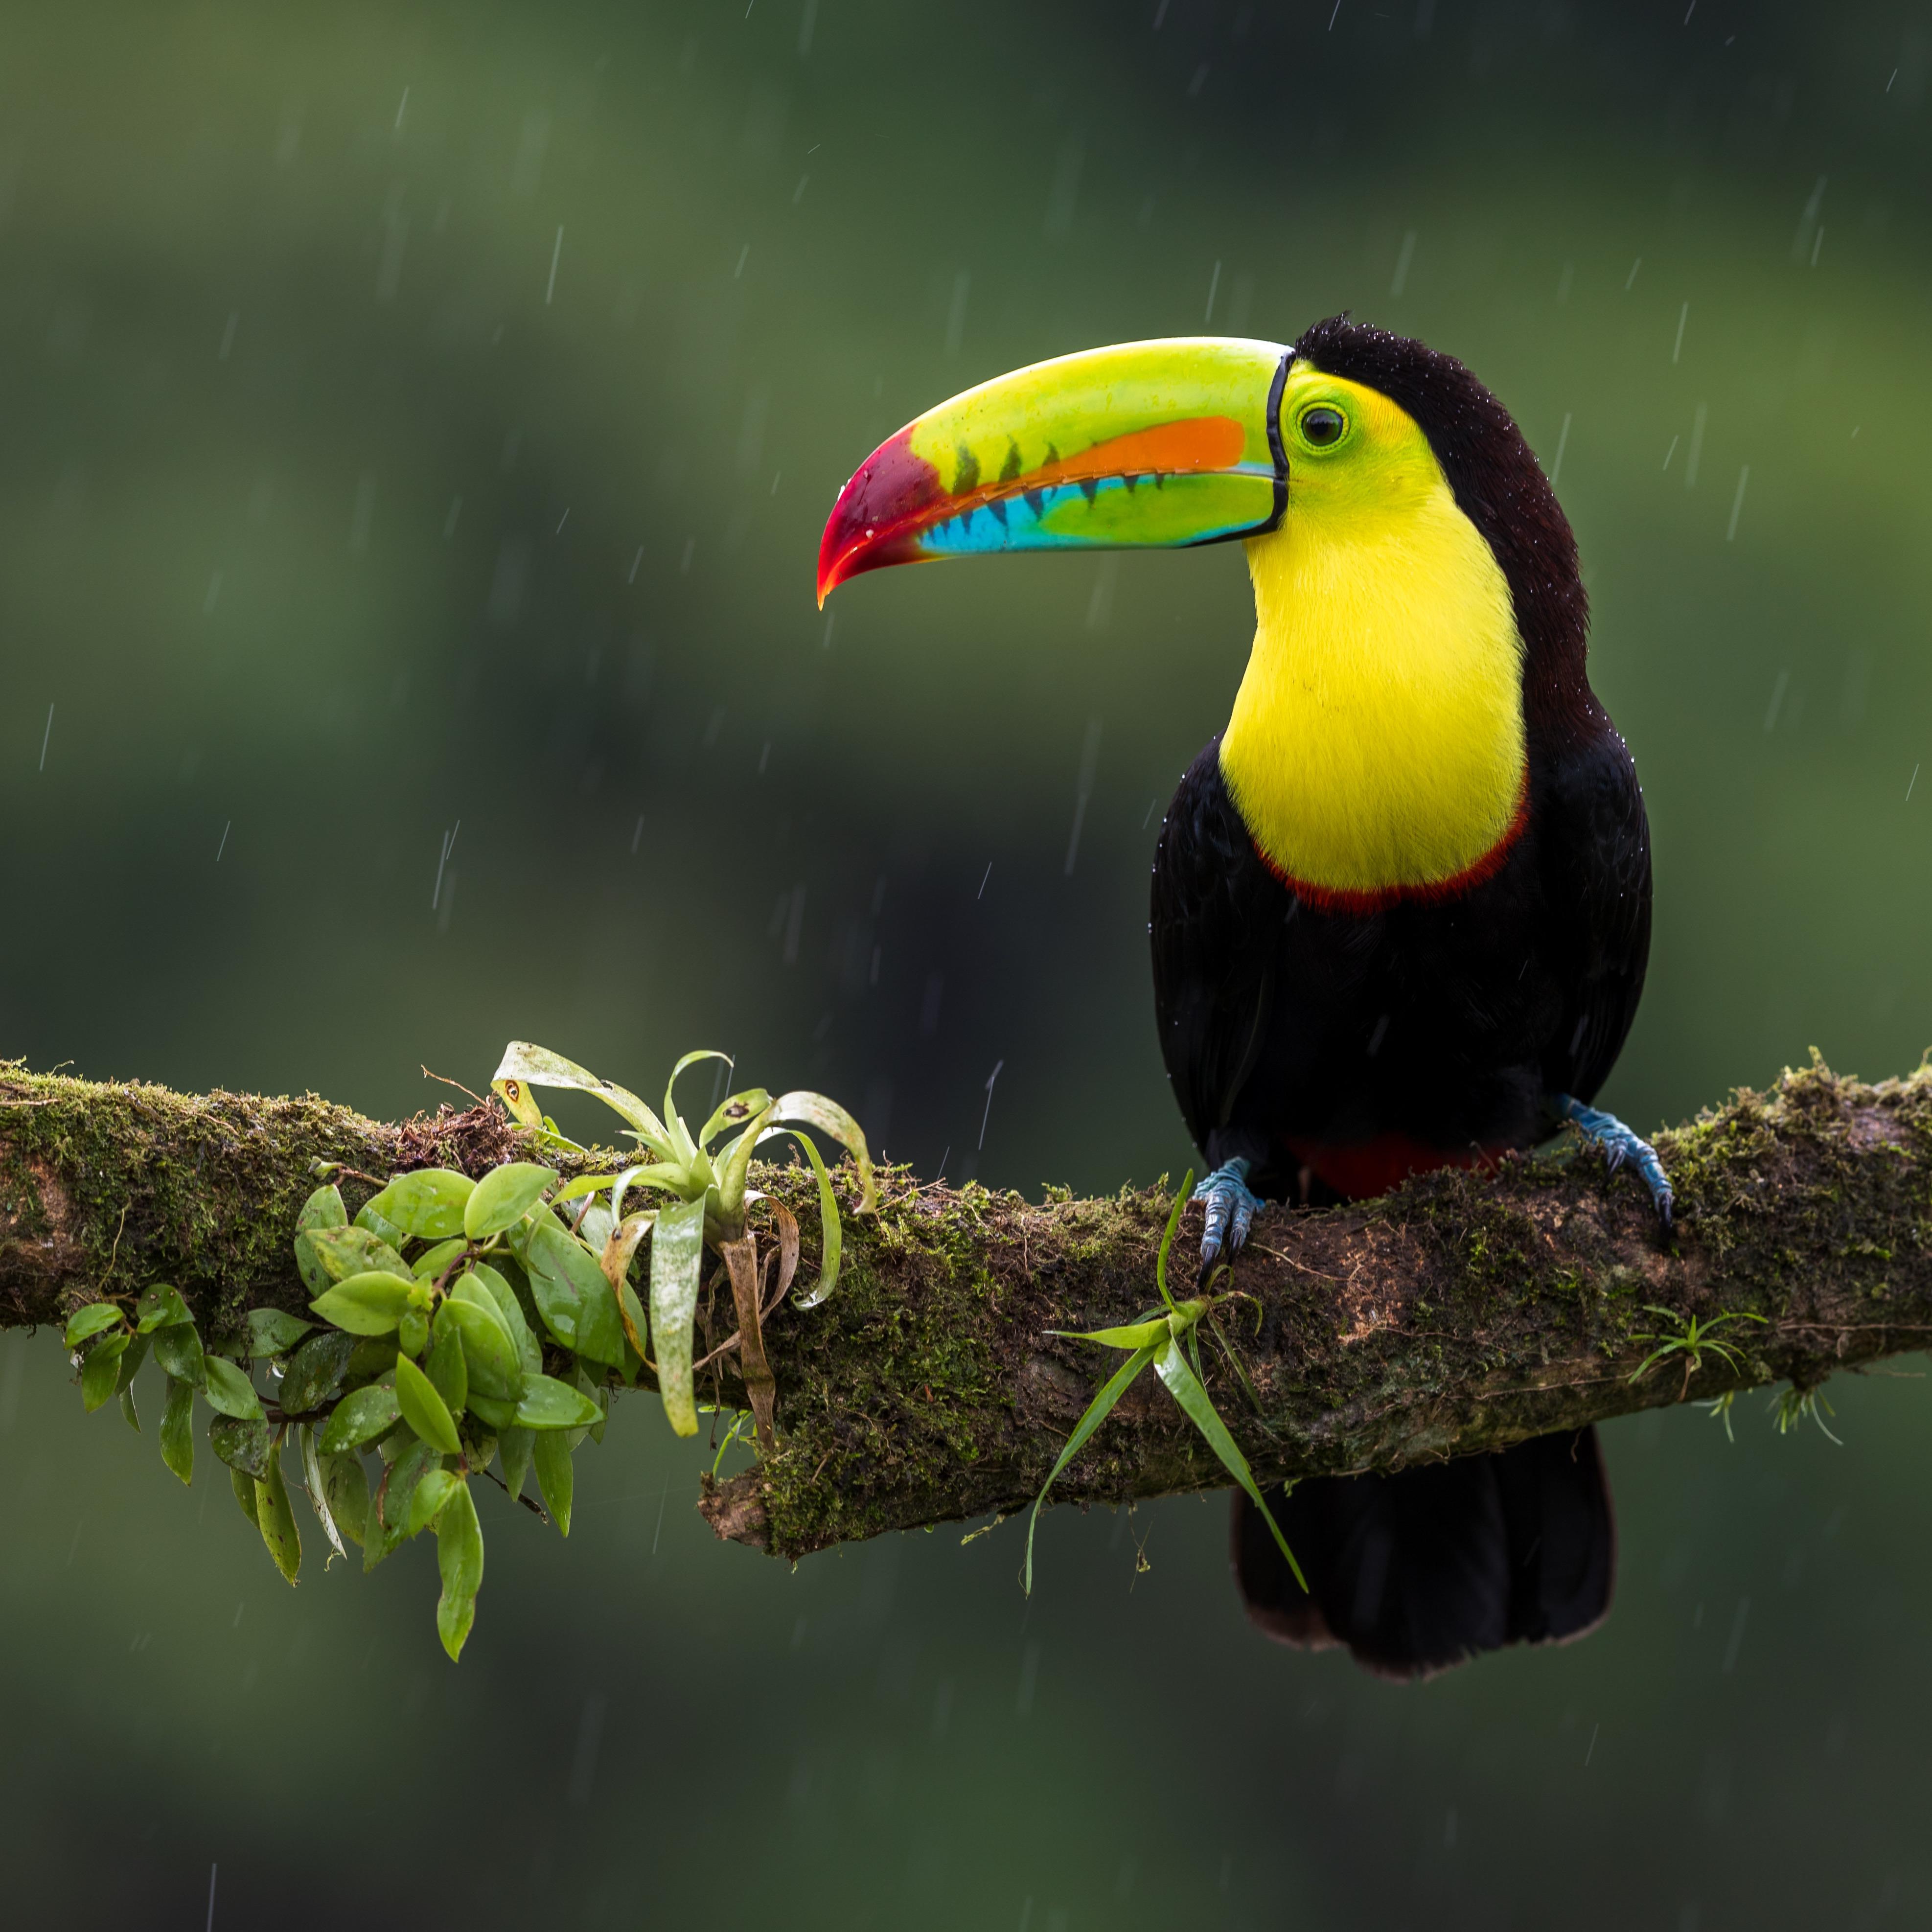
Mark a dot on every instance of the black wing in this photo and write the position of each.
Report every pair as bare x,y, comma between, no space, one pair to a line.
1595,852
1216,915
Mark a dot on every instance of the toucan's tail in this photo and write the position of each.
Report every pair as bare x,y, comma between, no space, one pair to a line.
1423,1570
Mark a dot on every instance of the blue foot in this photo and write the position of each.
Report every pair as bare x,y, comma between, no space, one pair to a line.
1618,1141
1230,1209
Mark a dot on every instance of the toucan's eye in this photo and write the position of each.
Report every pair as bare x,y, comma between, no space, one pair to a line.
1322,426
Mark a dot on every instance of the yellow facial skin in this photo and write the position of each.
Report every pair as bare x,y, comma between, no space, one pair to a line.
1376,748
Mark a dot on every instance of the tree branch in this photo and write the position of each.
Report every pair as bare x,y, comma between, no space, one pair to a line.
1463,1313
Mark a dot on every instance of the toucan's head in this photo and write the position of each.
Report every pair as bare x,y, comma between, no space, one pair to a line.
1199,439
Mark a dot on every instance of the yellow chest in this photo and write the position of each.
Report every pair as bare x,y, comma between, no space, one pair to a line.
1376,748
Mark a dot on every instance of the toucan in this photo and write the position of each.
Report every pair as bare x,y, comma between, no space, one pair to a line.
1401,904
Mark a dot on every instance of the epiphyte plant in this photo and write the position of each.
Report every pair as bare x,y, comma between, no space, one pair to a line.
1169,1337
472,1327
1691,1340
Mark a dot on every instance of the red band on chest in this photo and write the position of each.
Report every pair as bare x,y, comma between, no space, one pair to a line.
1367,1168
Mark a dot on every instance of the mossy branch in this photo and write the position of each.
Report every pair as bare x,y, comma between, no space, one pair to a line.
1463,1313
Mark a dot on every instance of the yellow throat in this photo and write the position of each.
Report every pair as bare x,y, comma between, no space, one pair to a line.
1376,749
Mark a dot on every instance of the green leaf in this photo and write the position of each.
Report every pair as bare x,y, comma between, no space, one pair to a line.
360,1417
459,1557
246,1446
412,1333
129,1414
277,1521
315,1372
345,1252
273,1332
584,1183
432,1263
1097,1411
378,1225
550,1404
132,1356
318,1494
448,1371
1183,1194
374,1357
504,1196
428,1204
515,1445
90,1320
538,1067
565,1277
178,1429
230,1390
1139,1335
322,1209
160,1306
529,1351
177,1349
245,1494
495,1369
423,1409
554,1475
735,1110
490,1410
101,1372
637,1324
814,1110
1186,1389
435,1490
600,1329
831,1230
677,1264
345,1486
366,1304
386,1531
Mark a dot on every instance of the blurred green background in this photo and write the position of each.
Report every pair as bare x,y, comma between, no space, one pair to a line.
420,417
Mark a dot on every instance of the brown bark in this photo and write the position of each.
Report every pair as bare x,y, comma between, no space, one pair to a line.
1461,1313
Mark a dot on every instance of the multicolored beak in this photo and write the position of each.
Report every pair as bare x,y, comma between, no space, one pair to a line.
1149,446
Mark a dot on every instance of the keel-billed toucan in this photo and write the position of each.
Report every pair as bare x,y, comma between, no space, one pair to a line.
1401,905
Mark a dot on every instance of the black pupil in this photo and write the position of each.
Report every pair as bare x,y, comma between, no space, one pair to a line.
1321,426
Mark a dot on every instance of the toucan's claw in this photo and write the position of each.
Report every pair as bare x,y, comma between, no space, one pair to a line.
1619,1144
1231,1210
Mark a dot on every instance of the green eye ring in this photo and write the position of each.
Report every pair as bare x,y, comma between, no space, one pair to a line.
1321,426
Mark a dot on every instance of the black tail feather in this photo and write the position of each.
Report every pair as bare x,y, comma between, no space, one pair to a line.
1424,1569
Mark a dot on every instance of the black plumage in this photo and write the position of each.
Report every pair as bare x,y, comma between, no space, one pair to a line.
1338,1048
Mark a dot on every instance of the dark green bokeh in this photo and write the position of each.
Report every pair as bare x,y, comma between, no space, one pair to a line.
265,319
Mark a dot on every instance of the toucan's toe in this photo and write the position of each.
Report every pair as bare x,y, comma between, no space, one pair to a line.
1231,1210
1620,1144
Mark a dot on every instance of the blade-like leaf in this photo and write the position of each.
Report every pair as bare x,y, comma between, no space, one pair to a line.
677,1263
1187,1389
317,1372
813,1110
318,1492
428,1203
495,1369
246,1446
1140,1335
514,1445
584,1183
540,1067
1097,1411
529,1352
427,1501
1184,1194
734,1111
322,1209
345,1486
831,1230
